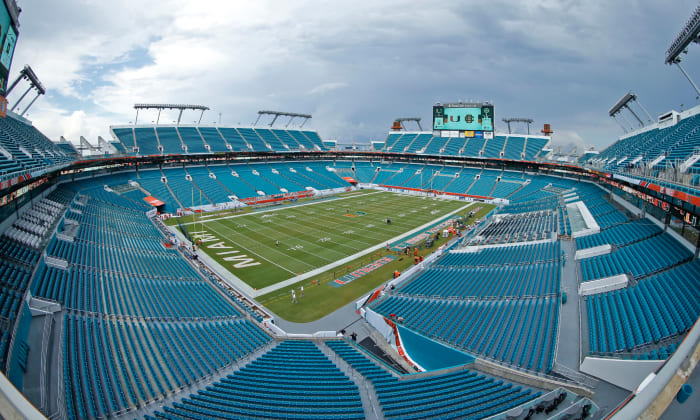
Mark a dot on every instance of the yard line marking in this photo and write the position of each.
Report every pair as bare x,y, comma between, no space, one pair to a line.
262,257
280,209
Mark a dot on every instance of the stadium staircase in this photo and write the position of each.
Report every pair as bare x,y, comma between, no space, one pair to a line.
449,146
205,383
429,180
516,191
408,146
370,399
394,173
147,140
206,145
450,181
311,180
332,181
502,152
301,380
391,139
432,396
124,134
229,146
213,138
183,140
288,145
374,177
198,188
228,191
160,145
523,152
240,139
243,180
183,145
288,140
473,182
266,179
483,149
691,161
490,194
427,145
172,193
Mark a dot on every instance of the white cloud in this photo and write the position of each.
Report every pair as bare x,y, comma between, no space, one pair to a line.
355,66
56,122
327,87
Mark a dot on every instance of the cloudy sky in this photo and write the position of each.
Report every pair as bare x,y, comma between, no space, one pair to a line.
354,65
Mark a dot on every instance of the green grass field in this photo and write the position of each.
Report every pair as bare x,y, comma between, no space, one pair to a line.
310,236
320,298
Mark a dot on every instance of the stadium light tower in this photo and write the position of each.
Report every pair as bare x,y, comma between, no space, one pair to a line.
689,34
27,74
401,120
527,121
620,124
624,104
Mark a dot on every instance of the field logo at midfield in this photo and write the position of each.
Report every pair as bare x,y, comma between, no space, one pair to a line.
361,271
243,260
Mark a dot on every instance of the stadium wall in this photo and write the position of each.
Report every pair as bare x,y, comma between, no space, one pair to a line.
653,396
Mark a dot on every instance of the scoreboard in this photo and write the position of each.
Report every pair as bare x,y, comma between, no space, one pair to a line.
469,119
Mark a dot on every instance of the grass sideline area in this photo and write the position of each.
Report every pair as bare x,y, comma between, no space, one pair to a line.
321,299
264,248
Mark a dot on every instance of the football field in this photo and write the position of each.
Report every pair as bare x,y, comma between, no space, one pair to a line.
265,247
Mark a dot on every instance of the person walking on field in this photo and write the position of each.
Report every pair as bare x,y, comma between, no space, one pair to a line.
294,297
301,291
277,243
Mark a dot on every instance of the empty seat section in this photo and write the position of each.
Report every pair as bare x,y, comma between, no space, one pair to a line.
253,139
192,139
271,138
233,183
293,380
146,141
209,186
214,139
170,140
461,394
233,138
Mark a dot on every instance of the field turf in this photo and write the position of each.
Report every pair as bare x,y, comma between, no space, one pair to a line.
320,298
311,235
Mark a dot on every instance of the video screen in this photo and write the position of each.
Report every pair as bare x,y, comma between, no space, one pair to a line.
463,118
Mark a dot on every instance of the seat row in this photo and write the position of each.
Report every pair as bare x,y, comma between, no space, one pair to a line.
461,394
518,332
487,282
506,255
620,235
640,259
115,366
659,307
278,385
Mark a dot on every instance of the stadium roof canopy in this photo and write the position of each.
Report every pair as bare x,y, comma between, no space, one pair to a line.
161,107
277,114
688,34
